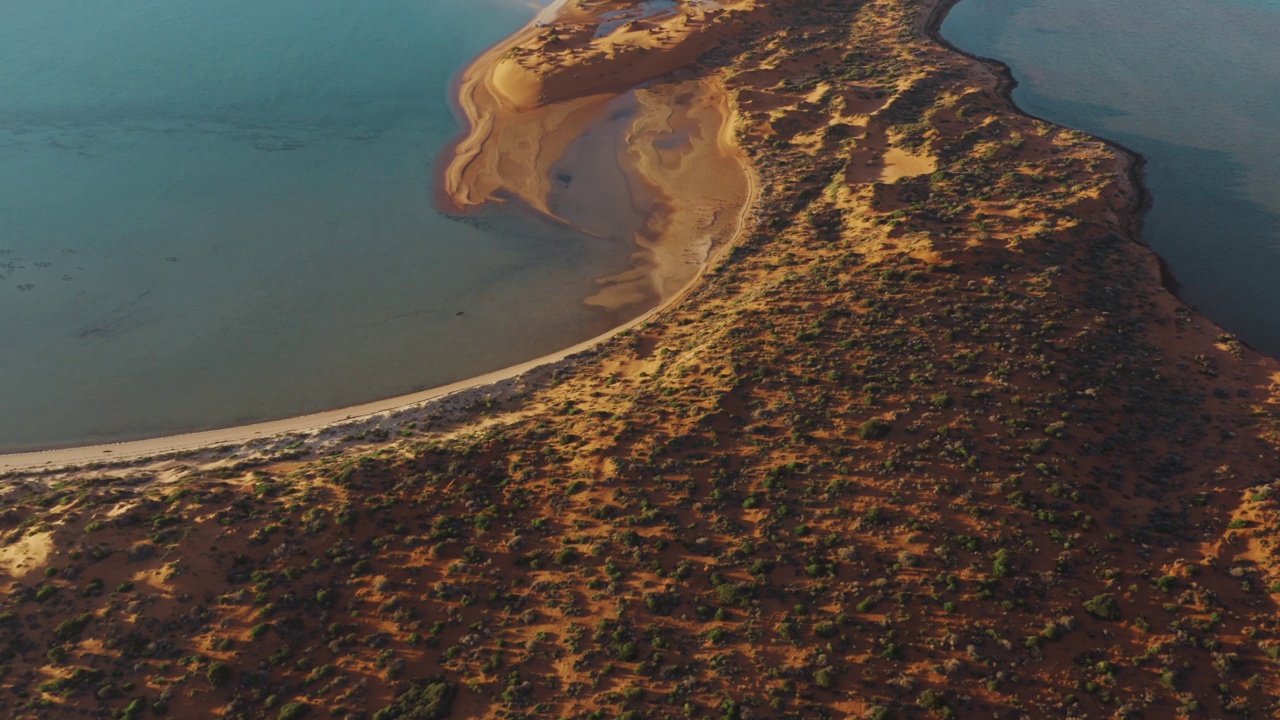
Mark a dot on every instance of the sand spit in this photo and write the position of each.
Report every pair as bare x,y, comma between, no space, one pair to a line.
528,100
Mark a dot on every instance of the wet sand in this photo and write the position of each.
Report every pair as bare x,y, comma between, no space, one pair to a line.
532,102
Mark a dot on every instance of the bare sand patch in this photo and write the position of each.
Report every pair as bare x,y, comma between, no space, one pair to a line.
29,553
899,163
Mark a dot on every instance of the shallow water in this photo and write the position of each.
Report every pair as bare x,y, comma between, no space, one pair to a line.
1192,85
216,213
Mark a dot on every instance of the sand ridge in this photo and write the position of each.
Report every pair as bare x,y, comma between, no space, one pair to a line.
599,47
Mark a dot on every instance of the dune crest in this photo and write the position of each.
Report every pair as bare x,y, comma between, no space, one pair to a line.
597,47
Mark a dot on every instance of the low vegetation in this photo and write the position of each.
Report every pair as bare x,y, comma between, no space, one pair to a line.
936,447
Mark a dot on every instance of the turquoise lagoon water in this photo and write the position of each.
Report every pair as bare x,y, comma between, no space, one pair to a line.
1194,85
221,212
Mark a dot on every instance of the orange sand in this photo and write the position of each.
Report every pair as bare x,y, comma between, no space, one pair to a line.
700,185
527,100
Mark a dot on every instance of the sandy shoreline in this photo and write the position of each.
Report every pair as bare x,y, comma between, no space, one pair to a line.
690,218
1134,171
131,450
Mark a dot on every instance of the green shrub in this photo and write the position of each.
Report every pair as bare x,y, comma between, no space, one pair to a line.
219,674
68,629
1103,607
929,700
429,700
133,710
626,651
739,594
873,429
293,711
1001,564
1036,446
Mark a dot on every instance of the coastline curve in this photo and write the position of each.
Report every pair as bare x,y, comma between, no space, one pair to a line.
1134,173
313,429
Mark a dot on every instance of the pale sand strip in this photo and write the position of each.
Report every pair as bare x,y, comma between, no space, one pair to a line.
152,447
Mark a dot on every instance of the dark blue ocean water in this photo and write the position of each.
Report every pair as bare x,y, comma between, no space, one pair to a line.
1194,85
221,212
